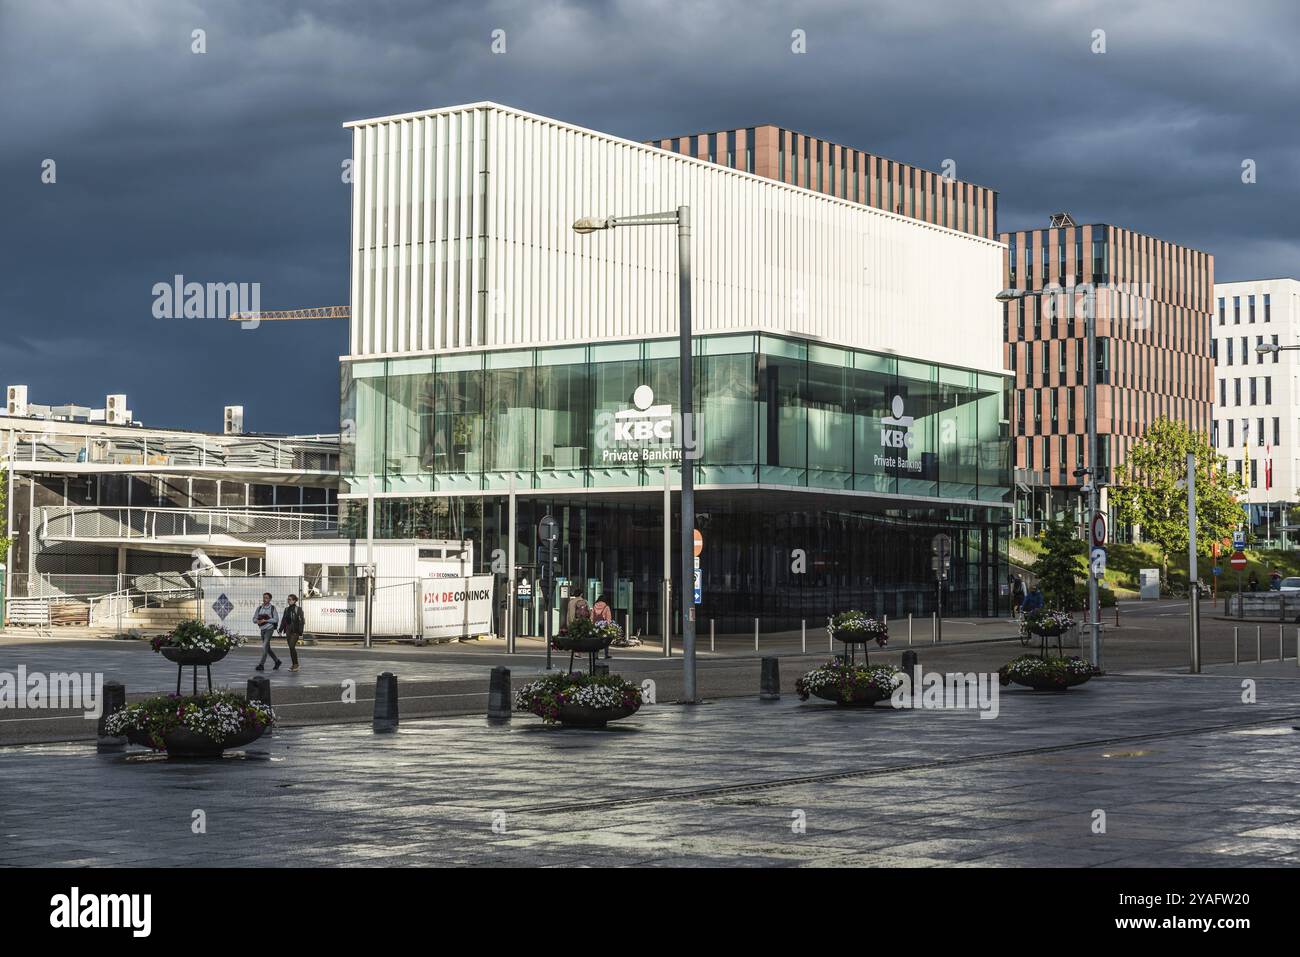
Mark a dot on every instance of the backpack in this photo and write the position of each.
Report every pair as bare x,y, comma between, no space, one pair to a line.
581,609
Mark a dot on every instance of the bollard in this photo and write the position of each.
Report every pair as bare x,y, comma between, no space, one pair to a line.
1116,614
803,635
830,638
602,669
710,634
1236,659
769,688
909,629
909,663
499,695
113,699
385,703
1280,640
259,689
934,628
756,634
1258,659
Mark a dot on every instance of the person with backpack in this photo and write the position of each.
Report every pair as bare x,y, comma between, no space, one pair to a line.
291,626
601,610
1017,595
1034,601
267,619
577,607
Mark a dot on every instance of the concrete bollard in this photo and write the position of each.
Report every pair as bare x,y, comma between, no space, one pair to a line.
1236,655
114,699
756,634
602,669
259,689
499,704
770,683
385,703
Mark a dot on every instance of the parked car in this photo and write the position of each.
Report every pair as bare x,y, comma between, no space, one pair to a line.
1290,586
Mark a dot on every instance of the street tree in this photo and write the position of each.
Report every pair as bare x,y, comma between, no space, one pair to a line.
1150,490
1057,567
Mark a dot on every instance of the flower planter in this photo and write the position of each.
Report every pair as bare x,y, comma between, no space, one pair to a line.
1053,685
858,698
183,743
584,716
192,656
585,644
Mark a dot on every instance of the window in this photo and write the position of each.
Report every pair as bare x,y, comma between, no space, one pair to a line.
1231,433
807,166
1268,308
1259,432
1229,342
1223,392
1251,304
1268,390
1221,311
749,150
780,161
1236,310
1259,356
1253,394
1275,353
1236,391
1277,432
329,581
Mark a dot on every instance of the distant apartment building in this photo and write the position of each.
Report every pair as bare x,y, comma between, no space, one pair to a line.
846,173
1154,301
1256,424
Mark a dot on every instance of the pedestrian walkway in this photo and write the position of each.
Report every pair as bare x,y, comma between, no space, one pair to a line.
1178,771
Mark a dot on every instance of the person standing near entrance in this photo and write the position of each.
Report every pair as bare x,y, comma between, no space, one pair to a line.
267,620
601,610
1017,595
291,626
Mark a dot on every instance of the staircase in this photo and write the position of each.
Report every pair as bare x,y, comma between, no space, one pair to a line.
153,619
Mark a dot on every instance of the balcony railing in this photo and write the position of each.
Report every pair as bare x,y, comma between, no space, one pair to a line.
314,453
197,525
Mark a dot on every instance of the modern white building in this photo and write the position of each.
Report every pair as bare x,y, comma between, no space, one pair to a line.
850,387
1257,395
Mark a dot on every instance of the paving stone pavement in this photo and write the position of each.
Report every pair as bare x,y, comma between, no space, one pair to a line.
1185,772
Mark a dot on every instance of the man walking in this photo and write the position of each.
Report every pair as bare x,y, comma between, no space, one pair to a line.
291,626
267,620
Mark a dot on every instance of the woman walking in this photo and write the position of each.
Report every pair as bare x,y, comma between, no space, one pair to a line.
291,627
267,620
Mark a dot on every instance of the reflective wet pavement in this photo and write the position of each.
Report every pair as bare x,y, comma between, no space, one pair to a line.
1184,772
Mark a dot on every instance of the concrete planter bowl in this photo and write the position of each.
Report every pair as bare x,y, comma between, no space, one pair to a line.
584,645
861,697
183,743
192,656
1053,685
584,716
1046,674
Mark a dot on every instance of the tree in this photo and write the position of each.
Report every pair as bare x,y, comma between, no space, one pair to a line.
4,542
1150,490
1059,564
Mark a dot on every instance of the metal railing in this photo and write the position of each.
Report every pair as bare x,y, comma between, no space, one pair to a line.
316,453
90,523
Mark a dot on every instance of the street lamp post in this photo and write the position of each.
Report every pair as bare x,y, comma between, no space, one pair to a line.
1091,473
681,218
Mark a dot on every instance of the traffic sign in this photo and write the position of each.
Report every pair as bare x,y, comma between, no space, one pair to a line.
548,530
699,585
1098,529
1098,562
699,543
1238,541
1238,562
1217,570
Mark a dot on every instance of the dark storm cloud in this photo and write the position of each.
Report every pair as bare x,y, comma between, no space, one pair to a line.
225,166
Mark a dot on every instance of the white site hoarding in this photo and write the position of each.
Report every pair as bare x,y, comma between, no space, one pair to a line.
421,588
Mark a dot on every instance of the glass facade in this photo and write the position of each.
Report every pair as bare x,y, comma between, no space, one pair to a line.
769,410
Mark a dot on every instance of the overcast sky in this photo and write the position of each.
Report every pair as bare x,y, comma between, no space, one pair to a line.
225,166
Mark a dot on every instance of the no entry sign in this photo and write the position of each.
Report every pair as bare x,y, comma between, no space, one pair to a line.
1098,530
1238,562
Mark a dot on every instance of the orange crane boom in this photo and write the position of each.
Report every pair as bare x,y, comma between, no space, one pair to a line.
315,312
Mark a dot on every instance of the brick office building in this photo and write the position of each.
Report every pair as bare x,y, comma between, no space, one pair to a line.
846,173
1154,351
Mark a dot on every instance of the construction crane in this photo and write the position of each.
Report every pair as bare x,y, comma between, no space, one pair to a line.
315,312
